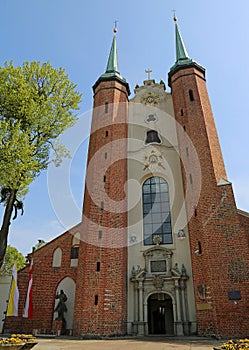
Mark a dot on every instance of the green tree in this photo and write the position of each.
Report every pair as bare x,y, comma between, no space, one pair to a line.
12,256
37,103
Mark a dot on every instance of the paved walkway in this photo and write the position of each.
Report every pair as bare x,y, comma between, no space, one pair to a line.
128,344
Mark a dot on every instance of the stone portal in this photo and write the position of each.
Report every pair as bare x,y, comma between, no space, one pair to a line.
160,314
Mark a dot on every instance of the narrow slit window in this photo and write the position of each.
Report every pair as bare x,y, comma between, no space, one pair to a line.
100,234
184,127
190,179
96,300
195,211
182,114
102,205
104,178
106,133
187,152
106,107
105,155
191,95
199,247
98,266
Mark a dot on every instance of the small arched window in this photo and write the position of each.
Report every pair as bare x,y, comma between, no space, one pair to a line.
156,211
152,136
76,239
75,249
57,257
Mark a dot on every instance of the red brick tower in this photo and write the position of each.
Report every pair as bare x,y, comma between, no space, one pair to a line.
219,246
101,293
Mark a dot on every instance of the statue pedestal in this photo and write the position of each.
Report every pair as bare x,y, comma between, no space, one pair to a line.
58,327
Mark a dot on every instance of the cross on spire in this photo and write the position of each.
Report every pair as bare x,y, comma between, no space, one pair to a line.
175,18
148,71
115,26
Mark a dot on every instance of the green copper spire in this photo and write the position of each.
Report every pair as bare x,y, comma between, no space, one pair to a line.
112,72
183,61
181,51
112,64
182,56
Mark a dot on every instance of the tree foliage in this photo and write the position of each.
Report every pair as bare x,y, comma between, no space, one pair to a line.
37,103
12,256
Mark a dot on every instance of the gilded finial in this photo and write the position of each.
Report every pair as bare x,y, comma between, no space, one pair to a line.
115,27
175,18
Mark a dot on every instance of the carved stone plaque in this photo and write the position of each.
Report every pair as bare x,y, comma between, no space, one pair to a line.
158,266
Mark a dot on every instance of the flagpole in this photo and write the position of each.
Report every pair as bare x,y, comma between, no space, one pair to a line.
4,320
21,324
28,306
21,320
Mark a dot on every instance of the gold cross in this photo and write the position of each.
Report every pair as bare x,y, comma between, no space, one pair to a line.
148,71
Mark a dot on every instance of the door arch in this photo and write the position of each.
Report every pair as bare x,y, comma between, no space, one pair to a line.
68,286
160,314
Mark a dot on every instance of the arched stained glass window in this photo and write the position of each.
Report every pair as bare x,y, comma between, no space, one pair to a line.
156,211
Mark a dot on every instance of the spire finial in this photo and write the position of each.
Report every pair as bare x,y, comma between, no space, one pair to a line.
115,27
175,18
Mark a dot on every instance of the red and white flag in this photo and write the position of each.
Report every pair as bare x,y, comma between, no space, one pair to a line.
28,308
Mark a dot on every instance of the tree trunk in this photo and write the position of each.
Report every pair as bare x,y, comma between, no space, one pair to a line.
6,224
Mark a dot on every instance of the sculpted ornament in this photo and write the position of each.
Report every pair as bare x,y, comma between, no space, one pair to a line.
150,98
157,239
152,160
158,282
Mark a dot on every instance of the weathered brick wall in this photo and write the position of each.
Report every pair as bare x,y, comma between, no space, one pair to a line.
45,282
213,220
101,309
244,221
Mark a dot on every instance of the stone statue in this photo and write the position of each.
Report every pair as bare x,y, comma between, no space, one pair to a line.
184,272
61,306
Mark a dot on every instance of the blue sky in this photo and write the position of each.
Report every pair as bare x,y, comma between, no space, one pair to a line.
77,34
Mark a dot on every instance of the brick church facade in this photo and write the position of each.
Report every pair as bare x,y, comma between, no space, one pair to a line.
162,248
